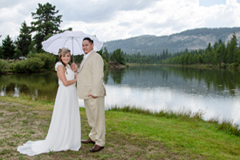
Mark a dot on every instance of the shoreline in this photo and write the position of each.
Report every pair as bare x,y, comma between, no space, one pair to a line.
110,66
115,66
196,66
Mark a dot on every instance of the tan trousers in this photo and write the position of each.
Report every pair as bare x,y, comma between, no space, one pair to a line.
96,119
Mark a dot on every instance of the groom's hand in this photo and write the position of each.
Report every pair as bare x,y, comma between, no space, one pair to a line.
94,97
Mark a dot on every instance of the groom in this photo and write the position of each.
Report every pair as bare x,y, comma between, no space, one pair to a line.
90,87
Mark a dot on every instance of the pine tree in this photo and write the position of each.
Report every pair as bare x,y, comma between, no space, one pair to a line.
238,55
1,52
234,47
215,46
200,59
8,48
231,49
47,22
219,54
24,39
208,54
190,58
106,54
195,58
118,57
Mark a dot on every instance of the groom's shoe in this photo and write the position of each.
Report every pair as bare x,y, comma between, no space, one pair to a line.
88,141
96,148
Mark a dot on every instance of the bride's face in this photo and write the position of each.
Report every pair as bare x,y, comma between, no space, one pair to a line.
66,58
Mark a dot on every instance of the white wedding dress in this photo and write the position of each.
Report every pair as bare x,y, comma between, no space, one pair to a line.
64,132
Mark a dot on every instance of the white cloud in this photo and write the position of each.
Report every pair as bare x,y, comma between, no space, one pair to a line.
111,20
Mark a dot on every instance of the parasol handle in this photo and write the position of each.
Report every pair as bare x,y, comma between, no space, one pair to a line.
72,51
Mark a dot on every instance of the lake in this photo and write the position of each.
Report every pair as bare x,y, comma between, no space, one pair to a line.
215,93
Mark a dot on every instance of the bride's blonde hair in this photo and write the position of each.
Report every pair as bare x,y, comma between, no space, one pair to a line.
63,51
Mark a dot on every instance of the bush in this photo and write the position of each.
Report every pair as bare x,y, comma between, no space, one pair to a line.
233,65
34,64
19,66
224,65
30,54
48,59
78,58
29,65
11,66
3,65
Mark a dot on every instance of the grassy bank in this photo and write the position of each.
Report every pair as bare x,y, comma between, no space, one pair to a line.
131,134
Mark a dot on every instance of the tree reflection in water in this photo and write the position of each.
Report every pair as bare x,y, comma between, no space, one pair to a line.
178,78
196,81
117,75
39,85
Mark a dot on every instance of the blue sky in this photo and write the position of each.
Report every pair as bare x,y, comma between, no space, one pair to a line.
208,3
112,20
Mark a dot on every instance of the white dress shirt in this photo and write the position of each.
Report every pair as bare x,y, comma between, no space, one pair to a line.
85,57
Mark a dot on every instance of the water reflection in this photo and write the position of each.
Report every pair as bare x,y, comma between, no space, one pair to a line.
164,98
116,76
214,92
3,91
35,85
189,80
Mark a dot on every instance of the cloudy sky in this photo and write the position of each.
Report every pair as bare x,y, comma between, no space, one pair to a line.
112,19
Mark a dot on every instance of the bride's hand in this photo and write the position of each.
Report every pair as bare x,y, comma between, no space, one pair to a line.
74,67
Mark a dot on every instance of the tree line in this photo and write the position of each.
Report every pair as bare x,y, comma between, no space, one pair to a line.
117,56
47,23
217,54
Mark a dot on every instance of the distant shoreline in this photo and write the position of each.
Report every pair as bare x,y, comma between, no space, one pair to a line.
198,66
113,65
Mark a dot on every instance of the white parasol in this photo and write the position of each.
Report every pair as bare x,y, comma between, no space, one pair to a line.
71,40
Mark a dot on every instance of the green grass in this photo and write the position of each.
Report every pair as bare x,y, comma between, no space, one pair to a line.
225,126
131,133
191,138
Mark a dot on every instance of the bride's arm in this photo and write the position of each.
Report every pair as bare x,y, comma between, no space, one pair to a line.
62,77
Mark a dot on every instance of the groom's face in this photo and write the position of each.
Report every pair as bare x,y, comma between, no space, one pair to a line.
87,46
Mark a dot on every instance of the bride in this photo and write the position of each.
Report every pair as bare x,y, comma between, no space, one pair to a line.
64,132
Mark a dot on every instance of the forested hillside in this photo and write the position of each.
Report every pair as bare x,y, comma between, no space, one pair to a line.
192,39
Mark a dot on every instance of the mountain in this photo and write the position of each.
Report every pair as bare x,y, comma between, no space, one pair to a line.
191,39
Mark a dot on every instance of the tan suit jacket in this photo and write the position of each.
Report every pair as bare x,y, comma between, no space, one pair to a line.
90,77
